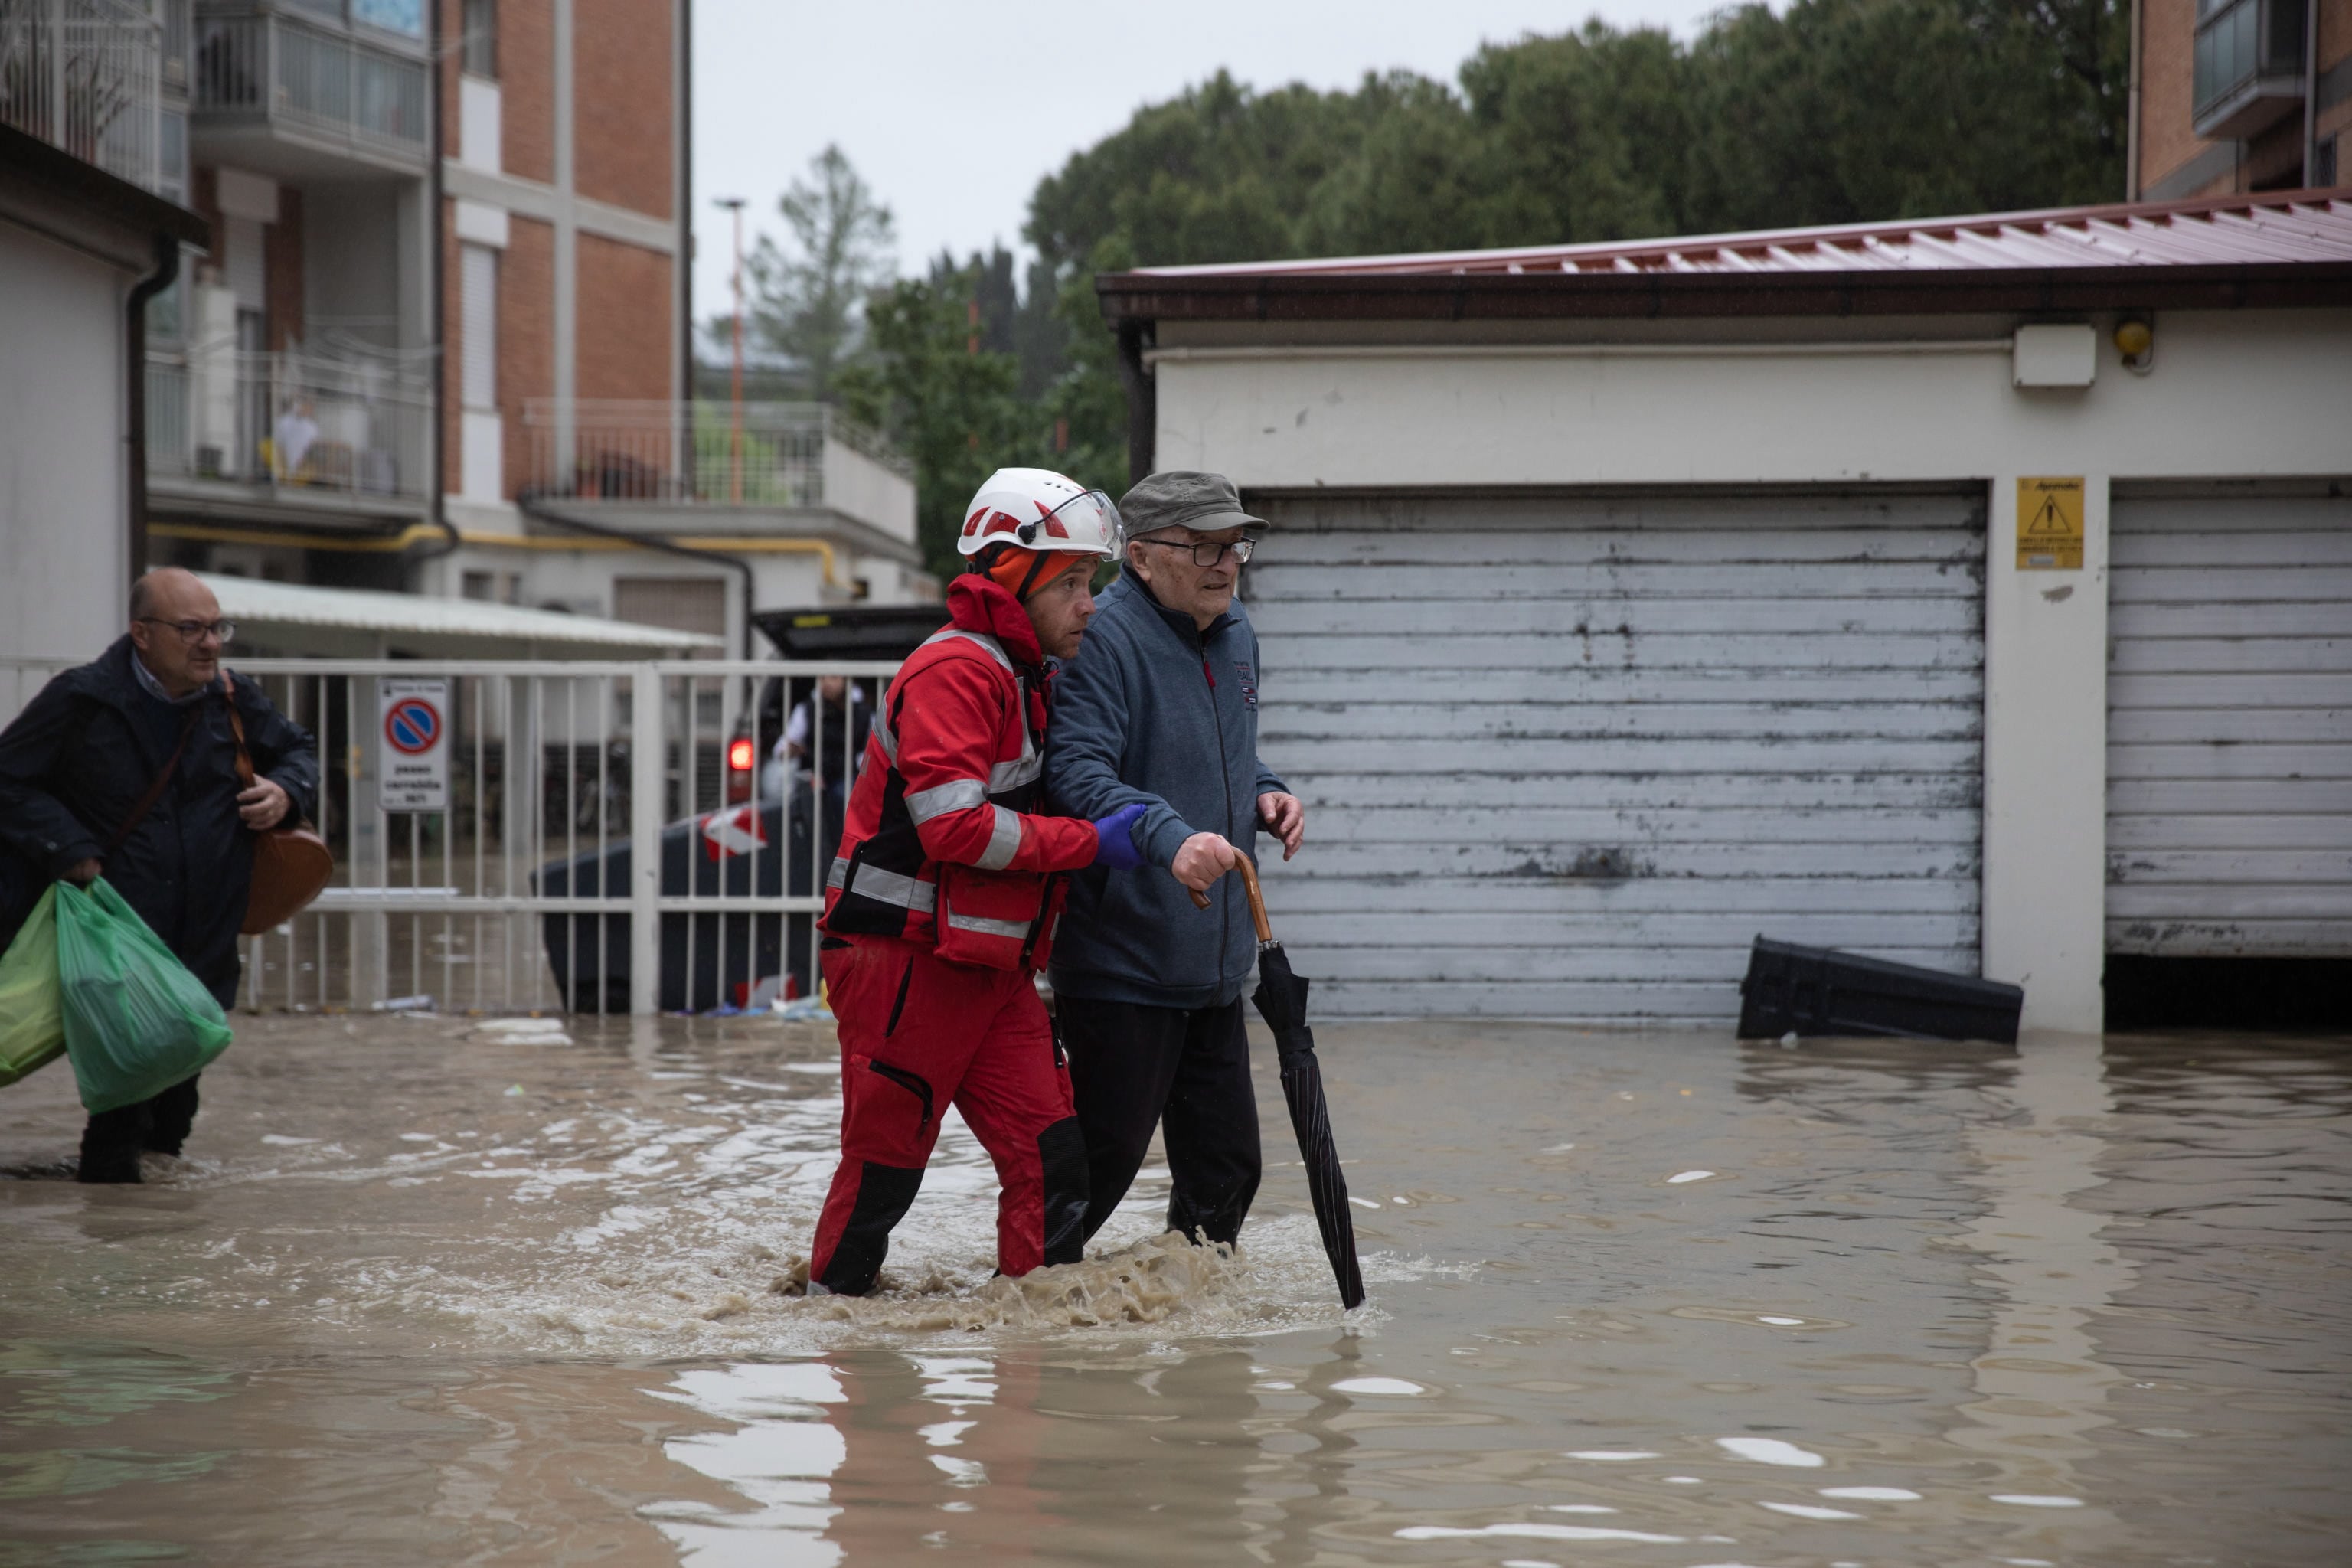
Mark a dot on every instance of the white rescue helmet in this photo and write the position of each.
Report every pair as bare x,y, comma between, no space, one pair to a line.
1037,509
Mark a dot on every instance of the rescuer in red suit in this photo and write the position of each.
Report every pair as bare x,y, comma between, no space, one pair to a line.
942,902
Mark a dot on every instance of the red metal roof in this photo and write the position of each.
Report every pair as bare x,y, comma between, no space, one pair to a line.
2274,227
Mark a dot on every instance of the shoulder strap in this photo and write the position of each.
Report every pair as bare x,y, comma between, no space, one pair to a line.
237,728
155,791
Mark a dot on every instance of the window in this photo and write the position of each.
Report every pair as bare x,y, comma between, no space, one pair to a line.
405,17
479,584
482,45
478,325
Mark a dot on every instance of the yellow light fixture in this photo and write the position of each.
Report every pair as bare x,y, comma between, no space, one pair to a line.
2135,339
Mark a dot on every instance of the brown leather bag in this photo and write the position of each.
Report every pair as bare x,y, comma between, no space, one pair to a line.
291,865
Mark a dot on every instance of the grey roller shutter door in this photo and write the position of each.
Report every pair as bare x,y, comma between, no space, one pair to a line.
2229,725
1565,758
245,263
678,604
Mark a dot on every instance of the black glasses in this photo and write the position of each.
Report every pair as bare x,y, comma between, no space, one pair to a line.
197,631
1208,551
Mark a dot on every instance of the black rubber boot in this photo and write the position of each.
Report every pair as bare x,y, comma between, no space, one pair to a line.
171,1116
111,1144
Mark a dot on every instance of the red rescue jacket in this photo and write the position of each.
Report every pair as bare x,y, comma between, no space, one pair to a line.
941,844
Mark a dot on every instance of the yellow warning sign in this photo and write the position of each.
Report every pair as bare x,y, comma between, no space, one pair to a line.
2050,525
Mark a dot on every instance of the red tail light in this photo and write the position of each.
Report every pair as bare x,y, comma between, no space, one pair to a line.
738,756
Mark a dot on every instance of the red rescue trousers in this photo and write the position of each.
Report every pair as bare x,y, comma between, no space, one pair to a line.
919,1034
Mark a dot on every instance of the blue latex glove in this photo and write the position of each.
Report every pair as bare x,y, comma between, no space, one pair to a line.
1118,849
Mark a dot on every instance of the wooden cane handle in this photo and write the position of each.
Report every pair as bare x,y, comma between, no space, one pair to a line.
1257,899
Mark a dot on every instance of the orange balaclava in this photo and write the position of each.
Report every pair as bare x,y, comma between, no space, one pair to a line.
1020,571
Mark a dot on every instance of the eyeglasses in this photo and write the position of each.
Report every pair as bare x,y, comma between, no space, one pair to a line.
197,631
1208,551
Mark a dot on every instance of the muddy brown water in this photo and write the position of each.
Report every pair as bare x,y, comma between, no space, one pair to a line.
429,1292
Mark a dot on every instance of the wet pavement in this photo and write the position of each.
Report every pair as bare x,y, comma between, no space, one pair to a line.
432,1289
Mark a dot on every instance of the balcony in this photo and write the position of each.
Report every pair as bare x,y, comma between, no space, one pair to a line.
286,95
83,76
675,466
288,435
2248,66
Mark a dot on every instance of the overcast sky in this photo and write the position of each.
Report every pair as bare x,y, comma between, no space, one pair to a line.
952,110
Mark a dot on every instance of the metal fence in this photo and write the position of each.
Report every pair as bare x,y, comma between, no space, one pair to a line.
692,453
83,75
593,847
317,80
343,425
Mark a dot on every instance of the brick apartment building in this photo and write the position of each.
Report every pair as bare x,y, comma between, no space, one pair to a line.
2238,96
437,343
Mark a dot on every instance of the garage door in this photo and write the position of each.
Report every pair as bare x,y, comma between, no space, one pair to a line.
2230,726
1565,758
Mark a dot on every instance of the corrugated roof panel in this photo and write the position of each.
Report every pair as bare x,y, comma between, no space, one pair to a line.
261,603
2284,227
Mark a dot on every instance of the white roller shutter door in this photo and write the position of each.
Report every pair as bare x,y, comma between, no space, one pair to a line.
2229,725
1565,758
478,325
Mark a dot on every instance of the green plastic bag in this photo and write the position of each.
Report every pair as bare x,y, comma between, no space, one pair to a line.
32,1026
136,1021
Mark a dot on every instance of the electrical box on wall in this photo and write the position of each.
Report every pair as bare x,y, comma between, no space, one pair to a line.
2063,355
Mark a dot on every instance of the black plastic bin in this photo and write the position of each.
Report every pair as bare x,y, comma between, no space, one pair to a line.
1816,990
731,953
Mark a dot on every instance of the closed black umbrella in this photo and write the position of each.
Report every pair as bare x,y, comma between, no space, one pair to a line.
1281,999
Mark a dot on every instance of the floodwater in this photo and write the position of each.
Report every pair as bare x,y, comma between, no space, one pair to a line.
429,1291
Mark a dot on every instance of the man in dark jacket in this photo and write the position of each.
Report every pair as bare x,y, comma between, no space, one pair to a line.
82,755
1159,707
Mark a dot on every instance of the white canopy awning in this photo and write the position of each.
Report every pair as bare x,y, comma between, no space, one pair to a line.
263,608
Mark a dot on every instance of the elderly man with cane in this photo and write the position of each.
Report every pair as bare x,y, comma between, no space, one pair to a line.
127,768
1160,710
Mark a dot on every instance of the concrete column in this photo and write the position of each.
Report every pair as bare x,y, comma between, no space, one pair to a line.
2045,768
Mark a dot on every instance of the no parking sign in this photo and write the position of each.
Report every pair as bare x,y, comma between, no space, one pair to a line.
415,735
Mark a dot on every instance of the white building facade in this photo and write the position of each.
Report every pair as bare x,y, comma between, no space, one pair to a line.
1627,602
90,229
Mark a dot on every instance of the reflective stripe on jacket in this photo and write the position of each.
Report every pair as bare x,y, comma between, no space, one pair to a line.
944,810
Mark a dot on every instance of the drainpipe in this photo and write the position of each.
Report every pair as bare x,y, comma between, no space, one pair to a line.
1142,399
437,492
528,503
2131,121
2310,92
684,109
167,269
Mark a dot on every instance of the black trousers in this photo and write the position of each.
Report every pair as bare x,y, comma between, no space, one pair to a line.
1185,1069
113,1140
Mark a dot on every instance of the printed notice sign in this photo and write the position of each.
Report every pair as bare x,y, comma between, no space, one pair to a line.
2050,525
415,735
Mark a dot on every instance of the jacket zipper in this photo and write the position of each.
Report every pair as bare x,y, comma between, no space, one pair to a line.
1225,777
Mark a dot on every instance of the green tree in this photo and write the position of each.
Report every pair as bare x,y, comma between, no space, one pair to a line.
806,302
951,408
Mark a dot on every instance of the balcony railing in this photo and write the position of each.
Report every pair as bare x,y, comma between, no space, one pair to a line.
82,75
2246,65
316,81
304,426
683,454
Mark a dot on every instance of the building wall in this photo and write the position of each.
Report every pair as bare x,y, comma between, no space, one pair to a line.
526,337
63,502
622,126
525,85
625,333
1676,410
281,244
2174,162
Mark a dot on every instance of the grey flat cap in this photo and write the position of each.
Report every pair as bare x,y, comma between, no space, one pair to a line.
1183,498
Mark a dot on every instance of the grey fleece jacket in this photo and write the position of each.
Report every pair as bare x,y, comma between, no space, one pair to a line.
1152,709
